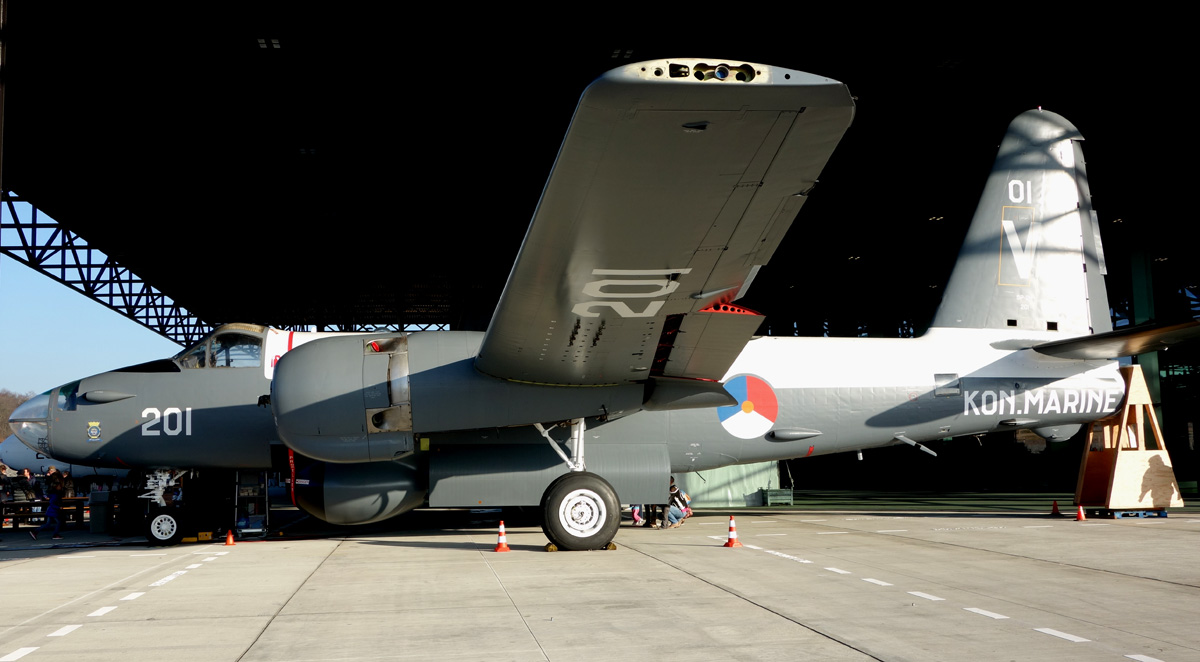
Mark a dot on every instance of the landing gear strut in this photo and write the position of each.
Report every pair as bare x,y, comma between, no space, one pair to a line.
163,525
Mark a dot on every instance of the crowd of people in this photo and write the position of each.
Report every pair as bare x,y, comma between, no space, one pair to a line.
23,485
665,516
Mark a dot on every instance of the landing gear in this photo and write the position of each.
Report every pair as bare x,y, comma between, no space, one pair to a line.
580,511
163,527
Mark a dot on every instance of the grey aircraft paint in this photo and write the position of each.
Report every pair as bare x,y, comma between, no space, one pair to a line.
616,355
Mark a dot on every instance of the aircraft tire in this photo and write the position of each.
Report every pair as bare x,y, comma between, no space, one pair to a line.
164,527
580,511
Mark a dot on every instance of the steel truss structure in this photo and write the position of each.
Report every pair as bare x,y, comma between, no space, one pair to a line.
34,239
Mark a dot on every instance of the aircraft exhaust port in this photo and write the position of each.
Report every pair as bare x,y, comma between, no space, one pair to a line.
742,73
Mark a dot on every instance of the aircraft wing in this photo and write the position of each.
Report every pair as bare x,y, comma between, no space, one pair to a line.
675,183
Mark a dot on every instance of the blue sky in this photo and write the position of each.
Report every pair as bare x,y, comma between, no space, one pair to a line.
50,334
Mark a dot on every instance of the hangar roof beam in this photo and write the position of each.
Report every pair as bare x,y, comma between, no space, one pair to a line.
39,242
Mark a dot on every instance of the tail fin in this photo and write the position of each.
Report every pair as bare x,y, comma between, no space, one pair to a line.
1032,258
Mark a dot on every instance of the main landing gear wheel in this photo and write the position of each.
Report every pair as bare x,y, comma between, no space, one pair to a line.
580,511
163,528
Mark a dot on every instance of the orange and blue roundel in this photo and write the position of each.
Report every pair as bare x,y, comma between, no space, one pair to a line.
756,408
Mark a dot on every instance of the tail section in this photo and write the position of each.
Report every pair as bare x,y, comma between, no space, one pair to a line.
1032,258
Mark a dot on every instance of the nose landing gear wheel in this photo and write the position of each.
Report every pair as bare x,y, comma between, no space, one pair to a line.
163,528
580,511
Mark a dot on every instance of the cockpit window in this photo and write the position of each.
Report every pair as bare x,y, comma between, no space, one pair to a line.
226,347
196,357
236,350
66,396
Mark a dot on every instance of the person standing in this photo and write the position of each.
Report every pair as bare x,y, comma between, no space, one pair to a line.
54,492
25,486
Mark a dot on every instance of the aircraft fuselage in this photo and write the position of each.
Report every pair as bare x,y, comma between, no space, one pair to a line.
866,392
830,395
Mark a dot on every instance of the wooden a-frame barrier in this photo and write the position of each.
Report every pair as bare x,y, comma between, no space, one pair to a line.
1120,471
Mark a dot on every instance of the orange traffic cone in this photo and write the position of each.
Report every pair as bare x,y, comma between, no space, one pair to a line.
733,541
1079,516
502,541
229,539
1054,511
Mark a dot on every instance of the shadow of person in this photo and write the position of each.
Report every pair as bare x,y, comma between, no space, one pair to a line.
1158,483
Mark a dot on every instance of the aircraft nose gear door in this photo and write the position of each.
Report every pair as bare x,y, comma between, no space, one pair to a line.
580,511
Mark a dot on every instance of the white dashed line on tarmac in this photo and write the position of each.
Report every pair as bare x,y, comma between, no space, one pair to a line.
1143,658
173,575
984,612
220,553
133,596
760,535
1061,635
925,595
211,558
101,611
892,531
876,581
65,630
838,571
717,537
814,520
789,557
18,654
194,566
753,547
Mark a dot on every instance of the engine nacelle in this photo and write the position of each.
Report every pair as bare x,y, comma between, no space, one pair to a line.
362,398
357,493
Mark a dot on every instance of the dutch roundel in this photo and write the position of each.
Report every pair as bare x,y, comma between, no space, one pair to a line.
755,411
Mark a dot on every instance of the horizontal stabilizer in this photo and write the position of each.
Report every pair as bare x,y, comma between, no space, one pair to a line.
1124,342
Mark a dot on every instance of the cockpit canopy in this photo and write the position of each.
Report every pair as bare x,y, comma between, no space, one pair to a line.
228,346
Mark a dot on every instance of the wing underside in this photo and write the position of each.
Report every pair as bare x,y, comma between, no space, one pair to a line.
672,187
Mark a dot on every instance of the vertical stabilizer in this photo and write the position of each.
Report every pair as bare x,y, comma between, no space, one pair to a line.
1032,258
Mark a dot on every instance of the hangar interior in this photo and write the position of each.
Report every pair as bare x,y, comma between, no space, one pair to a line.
313,170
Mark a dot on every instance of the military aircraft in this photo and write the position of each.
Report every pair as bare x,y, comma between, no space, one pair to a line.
617,354
16,455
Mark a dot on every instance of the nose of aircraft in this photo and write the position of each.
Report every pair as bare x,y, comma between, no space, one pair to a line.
31,422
